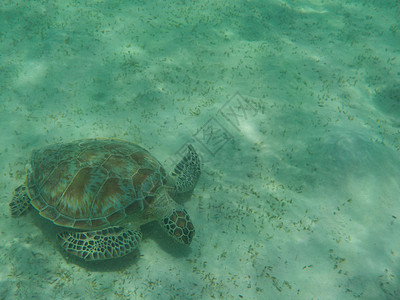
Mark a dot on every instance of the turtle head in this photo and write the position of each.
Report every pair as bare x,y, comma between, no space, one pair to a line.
179,226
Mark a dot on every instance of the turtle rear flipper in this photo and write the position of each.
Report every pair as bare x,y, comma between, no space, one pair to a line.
112,242
187,171
19,202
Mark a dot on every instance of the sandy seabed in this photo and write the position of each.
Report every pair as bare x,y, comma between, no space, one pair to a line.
294,107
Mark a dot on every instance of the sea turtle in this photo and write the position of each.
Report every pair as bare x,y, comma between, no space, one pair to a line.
104,189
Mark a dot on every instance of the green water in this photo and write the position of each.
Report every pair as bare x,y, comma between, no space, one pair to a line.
293,107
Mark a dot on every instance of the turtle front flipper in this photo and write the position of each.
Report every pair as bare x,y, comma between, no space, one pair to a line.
20,201
187,171
112,242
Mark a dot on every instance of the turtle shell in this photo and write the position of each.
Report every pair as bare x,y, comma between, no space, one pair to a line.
89,184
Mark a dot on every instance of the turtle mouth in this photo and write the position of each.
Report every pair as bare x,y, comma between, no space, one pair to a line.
179,226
